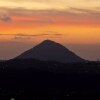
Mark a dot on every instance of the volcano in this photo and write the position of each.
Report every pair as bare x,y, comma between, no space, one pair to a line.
51,51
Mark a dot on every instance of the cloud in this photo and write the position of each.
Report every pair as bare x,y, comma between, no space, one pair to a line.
80,10
53,33
50,4
21,36
68,12
5,18
71,16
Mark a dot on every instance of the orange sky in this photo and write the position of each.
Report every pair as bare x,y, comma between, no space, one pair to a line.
64,21
72,30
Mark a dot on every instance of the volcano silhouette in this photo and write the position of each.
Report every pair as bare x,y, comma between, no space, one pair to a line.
51,51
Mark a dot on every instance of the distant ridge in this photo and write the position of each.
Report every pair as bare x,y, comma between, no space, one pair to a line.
51,51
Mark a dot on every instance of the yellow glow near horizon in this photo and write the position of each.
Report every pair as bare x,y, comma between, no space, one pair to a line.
50,4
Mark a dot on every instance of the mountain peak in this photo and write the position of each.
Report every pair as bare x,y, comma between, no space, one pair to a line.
49,50
48,42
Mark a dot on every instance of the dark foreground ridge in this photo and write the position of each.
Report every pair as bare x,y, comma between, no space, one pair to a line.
36,80
51,51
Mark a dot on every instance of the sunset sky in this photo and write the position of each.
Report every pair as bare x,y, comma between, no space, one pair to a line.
73,23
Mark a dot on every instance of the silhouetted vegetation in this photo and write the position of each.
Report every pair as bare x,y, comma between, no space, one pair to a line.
30,78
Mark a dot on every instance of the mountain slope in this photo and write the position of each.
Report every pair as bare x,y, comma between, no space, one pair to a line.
50,51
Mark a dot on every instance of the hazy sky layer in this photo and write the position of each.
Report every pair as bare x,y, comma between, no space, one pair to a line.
75,22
